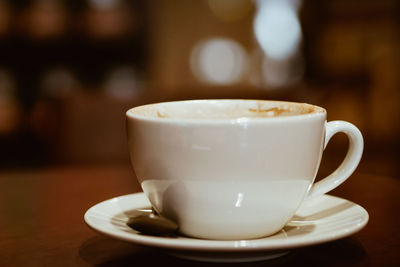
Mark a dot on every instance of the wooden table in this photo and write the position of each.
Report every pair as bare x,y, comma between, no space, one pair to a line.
41,222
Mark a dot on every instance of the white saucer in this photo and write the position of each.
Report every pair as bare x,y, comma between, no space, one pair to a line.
322,219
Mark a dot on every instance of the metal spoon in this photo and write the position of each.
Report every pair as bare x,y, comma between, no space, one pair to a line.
151,223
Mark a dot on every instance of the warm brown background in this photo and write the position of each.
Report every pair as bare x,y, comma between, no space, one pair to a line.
56,59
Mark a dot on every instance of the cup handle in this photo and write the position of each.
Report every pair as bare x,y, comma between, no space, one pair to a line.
350,162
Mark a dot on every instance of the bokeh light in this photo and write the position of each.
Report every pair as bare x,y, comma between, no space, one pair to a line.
218,61
122,83
109,19
278,32
44,19
104,4
277,28
59,82
281,73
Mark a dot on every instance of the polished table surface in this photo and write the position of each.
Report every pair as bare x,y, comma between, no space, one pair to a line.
41,222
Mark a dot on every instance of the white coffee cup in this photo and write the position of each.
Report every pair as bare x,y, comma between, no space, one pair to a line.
233,169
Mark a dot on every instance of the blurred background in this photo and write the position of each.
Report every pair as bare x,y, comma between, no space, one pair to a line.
69,70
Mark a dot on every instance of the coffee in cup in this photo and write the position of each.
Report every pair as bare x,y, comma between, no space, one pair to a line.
233,169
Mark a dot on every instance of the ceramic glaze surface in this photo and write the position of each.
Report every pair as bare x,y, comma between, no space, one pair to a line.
221,174
236,202
320,219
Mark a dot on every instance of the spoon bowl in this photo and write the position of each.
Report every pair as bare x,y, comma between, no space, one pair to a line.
153,224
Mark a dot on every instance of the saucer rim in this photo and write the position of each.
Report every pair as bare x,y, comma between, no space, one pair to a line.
248,245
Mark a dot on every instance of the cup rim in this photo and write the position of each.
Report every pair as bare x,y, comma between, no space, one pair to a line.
318,112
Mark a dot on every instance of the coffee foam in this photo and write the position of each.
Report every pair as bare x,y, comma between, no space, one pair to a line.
224,109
